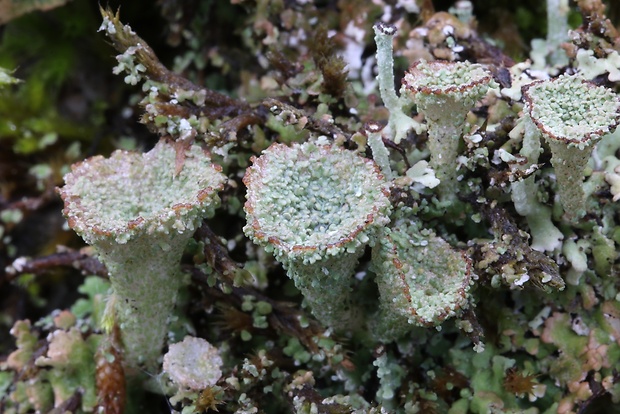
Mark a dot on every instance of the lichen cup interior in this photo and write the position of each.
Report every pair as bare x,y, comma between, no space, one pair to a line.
138,211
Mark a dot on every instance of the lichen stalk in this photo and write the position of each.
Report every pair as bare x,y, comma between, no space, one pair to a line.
565,163
399,123
146,277
327,286
444,138
384,36
380,153
557,30
545,235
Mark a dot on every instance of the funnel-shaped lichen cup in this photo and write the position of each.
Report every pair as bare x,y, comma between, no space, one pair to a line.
572,114
444,93
422,280
138,211
315,207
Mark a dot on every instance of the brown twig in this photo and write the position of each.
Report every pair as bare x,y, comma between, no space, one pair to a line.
124,38
79,260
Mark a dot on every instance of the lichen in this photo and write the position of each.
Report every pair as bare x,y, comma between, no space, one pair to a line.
422,280
316,207
374,269
56,373
444,92
123,206
572,115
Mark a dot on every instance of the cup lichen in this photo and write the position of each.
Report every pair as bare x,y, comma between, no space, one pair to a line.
316,206
444,93
488,254
139,213
572,114
422,280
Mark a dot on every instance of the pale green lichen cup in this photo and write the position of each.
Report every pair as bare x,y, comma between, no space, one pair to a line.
572,114
316,206
422,280
444,93
138,211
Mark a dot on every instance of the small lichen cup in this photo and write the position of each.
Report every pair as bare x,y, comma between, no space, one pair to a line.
444,93
139,211
316,206
572,114
422,280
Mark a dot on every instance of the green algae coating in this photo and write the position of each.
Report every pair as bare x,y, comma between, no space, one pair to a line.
572,114
138,212
422,280
316,207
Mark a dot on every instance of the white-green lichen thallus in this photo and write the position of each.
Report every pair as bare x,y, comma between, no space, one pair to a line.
193,364
138,211
545,236
380,153
572,114
399,123
316,206
444,93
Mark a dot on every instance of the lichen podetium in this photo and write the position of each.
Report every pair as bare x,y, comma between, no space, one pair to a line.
138,213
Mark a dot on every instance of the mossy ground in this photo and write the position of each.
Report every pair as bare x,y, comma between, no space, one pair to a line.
275,72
